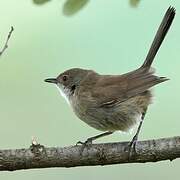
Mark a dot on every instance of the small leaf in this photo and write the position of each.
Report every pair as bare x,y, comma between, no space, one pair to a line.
71,7
40,2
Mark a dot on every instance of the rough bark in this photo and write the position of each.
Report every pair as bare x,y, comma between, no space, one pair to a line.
39,156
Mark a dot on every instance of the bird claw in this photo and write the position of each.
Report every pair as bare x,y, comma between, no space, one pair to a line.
132,147
79,143
86,143
133,142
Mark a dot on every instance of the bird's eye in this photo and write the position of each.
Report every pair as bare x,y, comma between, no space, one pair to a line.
65,77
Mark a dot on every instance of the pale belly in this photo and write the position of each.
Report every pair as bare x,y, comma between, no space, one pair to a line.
121,117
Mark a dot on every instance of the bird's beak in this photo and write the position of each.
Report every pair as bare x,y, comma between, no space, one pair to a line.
51,80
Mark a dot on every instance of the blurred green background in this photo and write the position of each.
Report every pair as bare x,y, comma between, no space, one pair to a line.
109,36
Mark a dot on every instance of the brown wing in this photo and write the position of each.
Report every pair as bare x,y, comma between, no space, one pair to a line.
111,90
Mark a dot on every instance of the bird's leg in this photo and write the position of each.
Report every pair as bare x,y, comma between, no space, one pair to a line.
91,139
132,145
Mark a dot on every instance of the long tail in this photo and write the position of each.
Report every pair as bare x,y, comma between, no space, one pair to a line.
159,37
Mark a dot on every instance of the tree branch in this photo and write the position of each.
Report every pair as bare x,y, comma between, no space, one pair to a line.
38,156
7,40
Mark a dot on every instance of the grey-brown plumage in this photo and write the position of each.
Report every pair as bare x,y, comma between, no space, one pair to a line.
113,102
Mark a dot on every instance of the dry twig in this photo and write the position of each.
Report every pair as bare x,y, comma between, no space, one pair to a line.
7,40
38,156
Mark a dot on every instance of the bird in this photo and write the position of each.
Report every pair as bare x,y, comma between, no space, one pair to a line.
112,103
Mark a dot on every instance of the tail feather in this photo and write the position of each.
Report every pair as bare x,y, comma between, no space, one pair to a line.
159,37
162,79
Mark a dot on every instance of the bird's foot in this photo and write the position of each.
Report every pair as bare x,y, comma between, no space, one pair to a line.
132,147
85,144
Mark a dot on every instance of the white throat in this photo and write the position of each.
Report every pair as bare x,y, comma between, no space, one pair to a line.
64,93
